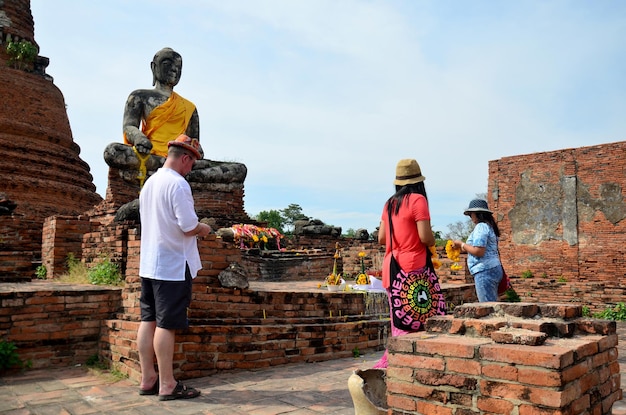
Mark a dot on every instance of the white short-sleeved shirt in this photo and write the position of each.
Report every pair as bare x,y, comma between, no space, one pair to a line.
167,211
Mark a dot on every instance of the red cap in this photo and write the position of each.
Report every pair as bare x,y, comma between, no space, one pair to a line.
188,143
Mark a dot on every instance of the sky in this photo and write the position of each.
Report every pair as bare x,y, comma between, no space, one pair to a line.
321,98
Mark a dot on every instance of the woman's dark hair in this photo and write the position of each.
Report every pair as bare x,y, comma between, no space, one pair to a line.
489,219
402,192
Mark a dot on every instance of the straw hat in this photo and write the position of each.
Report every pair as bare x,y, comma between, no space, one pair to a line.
188,143
477,205
408,172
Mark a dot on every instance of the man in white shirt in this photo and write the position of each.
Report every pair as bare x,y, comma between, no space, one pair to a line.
169,262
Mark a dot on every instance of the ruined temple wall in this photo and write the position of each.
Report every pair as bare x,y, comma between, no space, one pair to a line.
223,202
55,325
287,268
20,248
561,218
62,236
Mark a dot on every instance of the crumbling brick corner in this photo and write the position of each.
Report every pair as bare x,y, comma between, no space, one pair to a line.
506,358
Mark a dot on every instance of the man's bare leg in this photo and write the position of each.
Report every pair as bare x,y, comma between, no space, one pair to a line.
164,341
145,341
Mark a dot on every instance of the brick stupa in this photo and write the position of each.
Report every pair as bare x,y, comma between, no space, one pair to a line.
40,165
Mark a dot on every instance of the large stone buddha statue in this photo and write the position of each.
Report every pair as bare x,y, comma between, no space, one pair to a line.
152,118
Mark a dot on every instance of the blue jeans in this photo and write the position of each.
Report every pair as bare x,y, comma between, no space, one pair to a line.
486,283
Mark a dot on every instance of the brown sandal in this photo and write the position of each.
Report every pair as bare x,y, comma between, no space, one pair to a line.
181,391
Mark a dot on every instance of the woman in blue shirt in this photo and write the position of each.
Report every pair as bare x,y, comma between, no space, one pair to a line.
481,246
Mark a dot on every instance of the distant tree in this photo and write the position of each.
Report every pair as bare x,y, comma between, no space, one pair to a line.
350,233
291,214
273,218
460,230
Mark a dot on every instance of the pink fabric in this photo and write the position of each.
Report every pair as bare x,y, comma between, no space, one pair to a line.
382,363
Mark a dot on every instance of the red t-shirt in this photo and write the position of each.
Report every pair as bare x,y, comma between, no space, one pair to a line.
408,249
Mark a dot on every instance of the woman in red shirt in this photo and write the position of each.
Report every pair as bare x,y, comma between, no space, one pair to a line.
412,233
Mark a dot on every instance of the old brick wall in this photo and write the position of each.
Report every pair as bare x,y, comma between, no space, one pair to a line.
501,358
223,202
84,240
62,236
287,266
20,248
561,215
54,324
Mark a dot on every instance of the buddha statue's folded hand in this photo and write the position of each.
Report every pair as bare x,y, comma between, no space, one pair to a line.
143,145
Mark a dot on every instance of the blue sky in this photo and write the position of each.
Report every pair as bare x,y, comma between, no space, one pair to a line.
321,98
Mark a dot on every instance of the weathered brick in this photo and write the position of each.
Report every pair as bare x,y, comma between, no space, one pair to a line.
494,406
416,361
458,346
465,366
518,336
549,355
500,371
424,407
540,377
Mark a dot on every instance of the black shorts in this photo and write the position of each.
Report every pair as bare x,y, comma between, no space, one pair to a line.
166,302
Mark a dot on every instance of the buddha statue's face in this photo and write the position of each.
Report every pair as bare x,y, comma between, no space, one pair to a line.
167,68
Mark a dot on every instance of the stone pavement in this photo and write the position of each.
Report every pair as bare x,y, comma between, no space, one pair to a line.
294,389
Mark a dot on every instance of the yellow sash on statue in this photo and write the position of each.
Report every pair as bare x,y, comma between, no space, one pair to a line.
167,121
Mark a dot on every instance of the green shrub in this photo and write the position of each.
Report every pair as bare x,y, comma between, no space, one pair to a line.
94,362
527,274
9,358
104,273
511,296
22,54
41,272
617,313
586,311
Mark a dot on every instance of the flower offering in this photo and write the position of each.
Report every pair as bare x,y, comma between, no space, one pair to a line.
454,255
334,278
251,236
362,278
434,257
